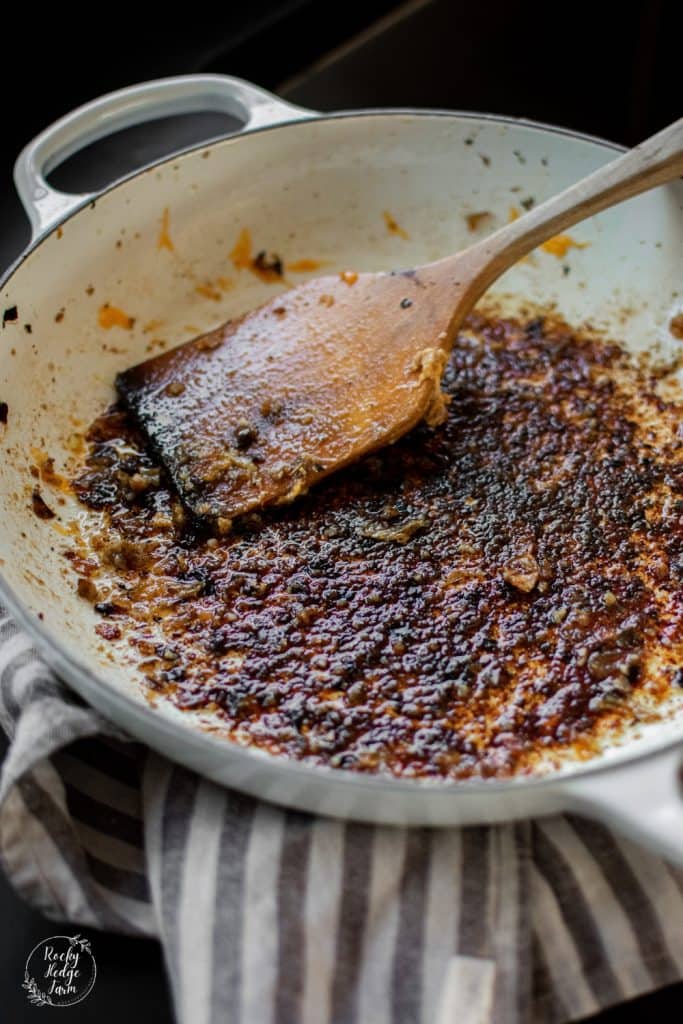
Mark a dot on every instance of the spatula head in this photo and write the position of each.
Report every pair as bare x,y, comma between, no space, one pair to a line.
255,412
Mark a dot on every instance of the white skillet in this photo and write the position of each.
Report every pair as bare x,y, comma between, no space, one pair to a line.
307,187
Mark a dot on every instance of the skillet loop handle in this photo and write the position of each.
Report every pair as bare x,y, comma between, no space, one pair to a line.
642,800
185,94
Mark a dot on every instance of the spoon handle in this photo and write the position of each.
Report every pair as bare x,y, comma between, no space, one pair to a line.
655,161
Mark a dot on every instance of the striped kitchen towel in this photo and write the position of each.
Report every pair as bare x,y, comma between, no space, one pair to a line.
269,916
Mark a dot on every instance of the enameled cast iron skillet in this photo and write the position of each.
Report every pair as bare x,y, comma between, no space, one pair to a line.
308,186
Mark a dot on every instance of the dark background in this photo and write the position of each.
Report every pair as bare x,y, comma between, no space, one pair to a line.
610,69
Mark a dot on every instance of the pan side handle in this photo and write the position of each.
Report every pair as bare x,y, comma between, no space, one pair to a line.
642,800
148,101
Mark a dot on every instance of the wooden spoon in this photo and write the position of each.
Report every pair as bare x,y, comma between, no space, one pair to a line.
257,411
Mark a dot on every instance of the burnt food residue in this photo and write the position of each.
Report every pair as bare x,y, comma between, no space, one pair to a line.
454,606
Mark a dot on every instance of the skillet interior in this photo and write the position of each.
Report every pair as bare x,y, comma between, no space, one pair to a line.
314,190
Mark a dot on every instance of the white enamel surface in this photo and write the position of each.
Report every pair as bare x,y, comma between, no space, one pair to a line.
315,190
642,799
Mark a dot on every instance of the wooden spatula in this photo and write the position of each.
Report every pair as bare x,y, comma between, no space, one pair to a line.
257,411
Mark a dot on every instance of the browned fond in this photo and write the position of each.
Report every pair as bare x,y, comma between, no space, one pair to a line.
452,606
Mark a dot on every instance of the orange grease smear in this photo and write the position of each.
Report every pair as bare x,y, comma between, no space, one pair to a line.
209,292
46,467
241,253
303,266
475,219
243,260
152,325
112,316
212,289
393,226
559,244
265,273
676,326
164,239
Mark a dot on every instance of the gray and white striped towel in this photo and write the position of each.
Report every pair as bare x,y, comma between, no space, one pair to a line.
274,917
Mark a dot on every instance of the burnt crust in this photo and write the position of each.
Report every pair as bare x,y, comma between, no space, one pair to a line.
455,605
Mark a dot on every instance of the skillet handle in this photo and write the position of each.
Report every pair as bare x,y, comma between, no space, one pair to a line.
642,800
184,94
